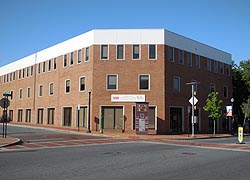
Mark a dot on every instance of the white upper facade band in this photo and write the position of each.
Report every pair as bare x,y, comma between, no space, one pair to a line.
119,36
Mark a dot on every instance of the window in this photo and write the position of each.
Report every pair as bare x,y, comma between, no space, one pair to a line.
19,74
197,61
208,64
10,76
221,68
54,63
227,70
71,58
65,60
49,66
67,86
136,52
215,67
23,73
31,70
104,52
28,92
40,92
189,59
67,116
195,86
27,72
11,97
212,87
181,56
40,116
79,56
176,83
51,89
120,51
152,51
14,76
20,115
82,83
39,68
51,115
83,115
225,91
87,54
112,82
144,82
171,54
44,66
11,115
28,115
20,93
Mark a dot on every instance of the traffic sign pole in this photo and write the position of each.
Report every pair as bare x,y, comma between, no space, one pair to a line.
192,111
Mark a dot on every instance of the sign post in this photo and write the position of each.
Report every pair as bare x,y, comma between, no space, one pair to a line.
142,115
240,135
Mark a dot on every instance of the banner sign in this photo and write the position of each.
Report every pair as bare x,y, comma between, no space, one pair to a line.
229,110
128,98
141,117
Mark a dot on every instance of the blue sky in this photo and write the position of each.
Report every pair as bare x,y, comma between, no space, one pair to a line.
28,26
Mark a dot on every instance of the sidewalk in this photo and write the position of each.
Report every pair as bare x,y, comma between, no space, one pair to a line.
8,141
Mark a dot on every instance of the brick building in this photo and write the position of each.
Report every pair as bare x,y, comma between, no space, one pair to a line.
114,68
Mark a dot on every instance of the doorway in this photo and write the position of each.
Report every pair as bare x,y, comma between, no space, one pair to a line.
176,120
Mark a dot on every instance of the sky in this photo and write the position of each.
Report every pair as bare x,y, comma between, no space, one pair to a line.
28,26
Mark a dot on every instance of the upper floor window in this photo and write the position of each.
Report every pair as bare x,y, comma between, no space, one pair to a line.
136,51
87,54
104,52
143,82
176,84
152,51
82,83
65,59
189,59
23,72
39,68
49,65
181,56
197,61
40,92
44,66
120,51
51,89
227,70
67,86
71,58
28,92
79,56
14,76
208,64
27,72
215,67
112,82
212,87
54,64
221,68
31,70
20,93
171,54
225,91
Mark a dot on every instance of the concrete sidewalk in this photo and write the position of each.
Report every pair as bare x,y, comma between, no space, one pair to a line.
8,141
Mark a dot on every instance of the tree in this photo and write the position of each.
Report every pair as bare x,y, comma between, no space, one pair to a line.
245,67
245,107
213,107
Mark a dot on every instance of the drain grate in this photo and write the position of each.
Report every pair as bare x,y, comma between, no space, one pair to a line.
112,153
189,153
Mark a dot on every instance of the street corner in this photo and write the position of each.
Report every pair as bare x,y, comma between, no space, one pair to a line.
8,141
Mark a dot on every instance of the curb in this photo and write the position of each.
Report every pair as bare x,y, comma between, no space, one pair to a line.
17,141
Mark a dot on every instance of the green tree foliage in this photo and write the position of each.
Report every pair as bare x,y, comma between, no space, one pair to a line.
213,107
241,87
245,107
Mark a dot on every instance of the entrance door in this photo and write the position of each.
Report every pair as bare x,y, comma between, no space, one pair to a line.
112,117
176,120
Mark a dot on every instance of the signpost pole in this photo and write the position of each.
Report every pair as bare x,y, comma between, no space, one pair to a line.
192,111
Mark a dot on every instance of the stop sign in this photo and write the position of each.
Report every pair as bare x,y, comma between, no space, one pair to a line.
4,103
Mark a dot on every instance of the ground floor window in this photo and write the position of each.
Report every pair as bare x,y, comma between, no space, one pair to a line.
151,119
83,115
11,115
40,116
67,116
28,115
197,123
51,115
20,115
112,117
176,119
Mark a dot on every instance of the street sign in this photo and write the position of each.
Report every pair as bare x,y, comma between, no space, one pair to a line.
240,134
193,100
4,103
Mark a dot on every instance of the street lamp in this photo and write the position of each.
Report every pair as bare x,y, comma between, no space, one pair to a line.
89,97
232,101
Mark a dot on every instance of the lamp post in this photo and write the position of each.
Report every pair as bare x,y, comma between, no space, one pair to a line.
232,101
89,98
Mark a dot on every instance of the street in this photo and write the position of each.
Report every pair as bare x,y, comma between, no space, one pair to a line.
123,160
